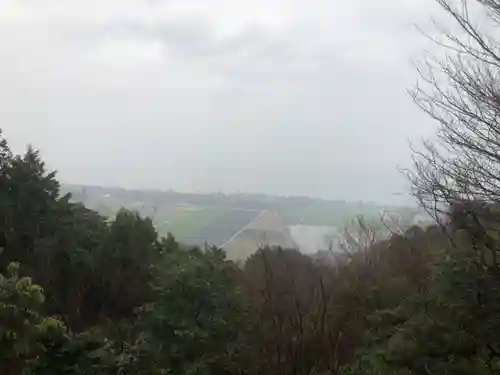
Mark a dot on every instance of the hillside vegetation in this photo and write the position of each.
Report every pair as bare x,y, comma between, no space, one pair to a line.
212,219
81,294
294,210
85,294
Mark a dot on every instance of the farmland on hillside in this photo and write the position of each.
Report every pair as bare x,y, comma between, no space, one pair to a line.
214,226
213,219
186,221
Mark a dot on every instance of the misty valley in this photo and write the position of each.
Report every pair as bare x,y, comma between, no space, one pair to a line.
360,254
243,223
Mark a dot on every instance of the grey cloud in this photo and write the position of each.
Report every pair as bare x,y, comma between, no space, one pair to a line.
313,107
197,40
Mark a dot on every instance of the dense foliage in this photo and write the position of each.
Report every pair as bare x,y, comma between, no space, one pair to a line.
84,294
111,297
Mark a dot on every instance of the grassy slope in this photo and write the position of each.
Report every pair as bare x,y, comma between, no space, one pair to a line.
184,223
191,215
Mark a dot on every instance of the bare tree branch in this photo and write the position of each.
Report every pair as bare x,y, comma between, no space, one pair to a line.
460,92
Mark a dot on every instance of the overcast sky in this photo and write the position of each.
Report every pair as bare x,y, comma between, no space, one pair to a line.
289,97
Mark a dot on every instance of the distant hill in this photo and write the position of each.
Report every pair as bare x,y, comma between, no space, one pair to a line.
228,219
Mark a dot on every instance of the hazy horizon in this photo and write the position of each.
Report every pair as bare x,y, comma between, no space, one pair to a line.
287,98
402,201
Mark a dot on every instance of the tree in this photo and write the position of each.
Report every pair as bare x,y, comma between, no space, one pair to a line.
129,251
197,323
458,179
23,327
460,91
132,303
28,205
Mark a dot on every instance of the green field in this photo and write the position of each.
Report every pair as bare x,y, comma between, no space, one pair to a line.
184,221
214,218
